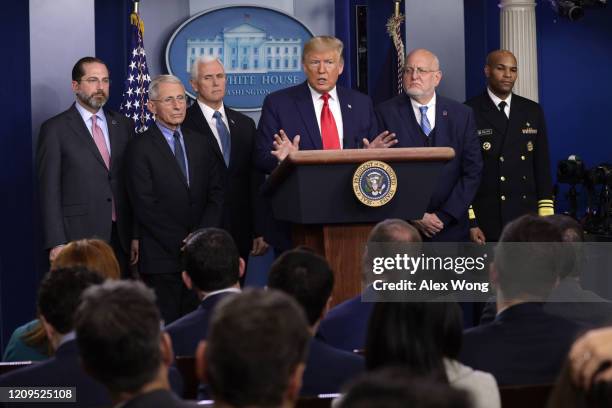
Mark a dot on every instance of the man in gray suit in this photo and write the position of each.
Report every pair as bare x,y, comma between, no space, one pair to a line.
80,169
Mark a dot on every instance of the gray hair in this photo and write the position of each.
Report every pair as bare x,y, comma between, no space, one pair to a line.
161,79
202,59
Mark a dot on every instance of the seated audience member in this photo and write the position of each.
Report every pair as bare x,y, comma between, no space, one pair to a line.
212,268
58,298
590,358
345,325
568,299
524,344
308,278
122,346
567,394
425,338
29,342
398,388
255,351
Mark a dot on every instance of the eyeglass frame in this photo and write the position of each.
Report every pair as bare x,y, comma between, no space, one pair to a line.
96,81
171,99
420,71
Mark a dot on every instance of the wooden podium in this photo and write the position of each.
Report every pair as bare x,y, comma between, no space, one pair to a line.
313,190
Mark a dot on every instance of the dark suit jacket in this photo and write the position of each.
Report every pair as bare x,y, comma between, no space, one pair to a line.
187,331
346,325
292,110
523,345
75,186
242,181
61,370
455,127
158,398
328,369
166,208
522,142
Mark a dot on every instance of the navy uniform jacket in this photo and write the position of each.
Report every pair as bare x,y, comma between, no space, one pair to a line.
516,174
328,369
523,345
187,331
455,127
241,181
346,325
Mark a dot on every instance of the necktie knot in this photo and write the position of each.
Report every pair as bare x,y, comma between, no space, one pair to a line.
176,135
423,110
325,98
217,115
502,105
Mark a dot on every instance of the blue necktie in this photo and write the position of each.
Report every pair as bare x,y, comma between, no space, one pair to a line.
224,136
425,125
179,154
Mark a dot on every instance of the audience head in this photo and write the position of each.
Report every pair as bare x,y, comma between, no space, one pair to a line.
414,335
573,235
501,71
307,277
421,75
527,258
59,296
398,388
93,254
120,339
208,80
322,62
91,83
211,261
255,350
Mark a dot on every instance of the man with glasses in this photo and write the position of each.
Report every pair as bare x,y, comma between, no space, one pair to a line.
512,131
79,160
175,184
422,118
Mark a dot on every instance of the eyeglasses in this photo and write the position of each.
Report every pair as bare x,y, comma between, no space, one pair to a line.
420,71
96,81
181,99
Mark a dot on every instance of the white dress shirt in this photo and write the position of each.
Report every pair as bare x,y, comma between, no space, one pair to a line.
496,100
212,122
431,111
334,107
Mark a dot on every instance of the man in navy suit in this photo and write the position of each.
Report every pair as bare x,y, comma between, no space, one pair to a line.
346,324
422,118
58,299
212,268
308,278
524,344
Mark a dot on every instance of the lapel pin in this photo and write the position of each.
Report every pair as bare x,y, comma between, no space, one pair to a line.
349,106
114,122
444,113
232,121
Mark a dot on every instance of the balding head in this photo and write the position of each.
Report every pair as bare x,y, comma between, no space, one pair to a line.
421,75
495,56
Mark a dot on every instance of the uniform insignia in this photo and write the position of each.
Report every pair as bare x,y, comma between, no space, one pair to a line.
485,132
486,146
444,113
529,146
529,131
374,183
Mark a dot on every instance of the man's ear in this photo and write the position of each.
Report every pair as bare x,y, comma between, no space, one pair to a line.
241,267
187,280
487,71
201,362
165,345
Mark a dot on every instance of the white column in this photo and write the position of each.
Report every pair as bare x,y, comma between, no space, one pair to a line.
518,34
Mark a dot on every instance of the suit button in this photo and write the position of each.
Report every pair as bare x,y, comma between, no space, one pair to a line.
524,197
501,158
109,199
502,178
522,157
524,177
503,198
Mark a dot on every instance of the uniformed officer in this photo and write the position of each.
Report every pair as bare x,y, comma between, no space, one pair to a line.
516,173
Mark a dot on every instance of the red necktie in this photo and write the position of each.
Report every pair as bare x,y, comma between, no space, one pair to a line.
98,137
329,131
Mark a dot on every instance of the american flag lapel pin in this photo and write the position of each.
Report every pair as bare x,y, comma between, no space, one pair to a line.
349,106
114,122
444,113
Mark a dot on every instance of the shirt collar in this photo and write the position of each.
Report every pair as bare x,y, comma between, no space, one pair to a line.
86,115
496,100
333,93
216,292
430,105
66,338
209,112
166,131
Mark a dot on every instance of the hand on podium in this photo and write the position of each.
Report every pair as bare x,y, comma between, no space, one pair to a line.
283,146
383,140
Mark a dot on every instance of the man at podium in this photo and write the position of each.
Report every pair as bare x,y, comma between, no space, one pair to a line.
422,118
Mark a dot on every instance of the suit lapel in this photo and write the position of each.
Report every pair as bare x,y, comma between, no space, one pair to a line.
234,134
348,119
205,129
78,126
112,134
408,127
441,127
306,109
162,146
516,122
492,114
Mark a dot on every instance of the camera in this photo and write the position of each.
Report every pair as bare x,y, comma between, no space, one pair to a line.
574,9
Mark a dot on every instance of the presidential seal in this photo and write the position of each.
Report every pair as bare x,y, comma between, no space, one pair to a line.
374,183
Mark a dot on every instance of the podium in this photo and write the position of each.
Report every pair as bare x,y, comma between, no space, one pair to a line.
313,190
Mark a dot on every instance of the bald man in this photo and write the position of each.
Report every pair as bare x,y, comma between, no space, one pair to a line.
422,118
512,134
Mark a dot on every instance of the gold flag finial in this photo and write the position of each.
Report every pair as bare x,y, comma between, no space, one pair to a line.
135,19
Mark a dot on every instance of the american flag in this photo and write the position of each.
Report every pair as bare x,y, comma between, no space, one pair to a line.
136,89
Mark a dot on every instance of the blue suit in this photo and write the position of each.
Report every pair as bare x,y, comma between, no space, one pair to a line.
292,110
455,127
346,325
523,345
187,331
328,369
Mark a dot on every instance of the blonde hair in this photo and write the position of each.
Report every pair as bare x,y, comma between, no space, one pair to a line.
93,254
323,43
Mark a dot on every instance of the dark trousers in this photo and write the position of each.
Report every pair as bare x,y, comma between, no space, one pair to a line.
120,254
173,298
